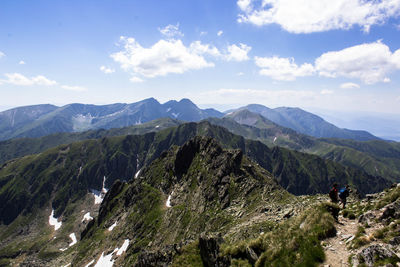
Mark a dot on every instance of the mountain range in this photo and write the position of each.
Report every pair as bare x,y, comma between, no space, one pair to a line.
41,120
306,123
168,192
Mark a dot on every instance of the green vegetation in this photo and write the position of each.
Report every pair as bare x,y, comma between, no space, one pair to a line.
293,243
189,256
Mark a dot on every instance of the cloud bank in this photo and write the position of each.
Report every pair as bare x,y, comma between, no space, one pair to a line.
307,16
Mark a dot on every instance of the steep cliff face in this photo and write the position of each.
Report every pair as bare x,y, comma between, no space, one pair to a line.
193,189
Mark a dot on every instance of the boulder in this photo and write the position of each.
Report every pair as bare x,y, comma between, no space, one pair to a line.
373,253
391,210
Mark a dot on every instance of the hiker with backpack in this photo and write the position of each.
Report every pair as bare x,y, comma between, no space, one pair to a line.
333,193
343,194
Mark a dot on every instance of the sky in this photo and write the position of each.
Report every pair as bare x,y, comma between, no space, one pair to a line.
319,55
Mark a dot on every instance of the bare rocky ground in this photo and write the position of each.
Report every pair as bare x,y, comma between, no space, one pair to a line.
336,251
371,239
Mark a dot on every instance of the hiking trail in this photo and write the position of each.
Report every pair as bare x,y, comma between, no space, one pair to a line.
335,248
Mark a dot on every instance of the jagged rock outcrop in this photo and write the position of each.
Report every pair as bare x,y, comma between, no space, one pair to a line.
210,252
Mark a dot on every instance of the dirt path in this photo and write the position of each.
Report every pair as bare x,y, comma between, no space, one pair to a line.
336,253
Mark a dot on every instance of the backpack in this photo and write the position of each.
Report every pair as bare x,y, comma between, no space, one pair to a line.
343,193
332,194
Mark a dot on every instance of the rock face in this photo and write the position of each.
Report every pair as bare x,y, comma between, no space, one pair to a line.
373,253
189,190
209,251
391,211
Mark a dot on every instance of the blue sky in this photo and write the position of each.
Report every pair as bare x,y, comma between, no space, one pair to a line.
320,55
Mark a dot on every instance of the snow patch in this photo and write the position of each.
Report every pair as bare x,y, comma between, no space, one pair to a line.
69,264
63,249
54,221
87,217
168,109
168,203
112,226
73,238
139,121
123,248
104,190
137,173
158,126
106,261
175,115
274,139
90,263
99,195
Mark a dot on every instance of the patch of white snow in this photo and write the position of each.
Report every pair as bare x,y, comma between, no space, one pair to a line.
137,173
112,226
168,203
73,238
104,189
168,109
69,264
87,217
274,139
175,115
99,195
158,126
106,261
90,263
63,249
54,221
123,248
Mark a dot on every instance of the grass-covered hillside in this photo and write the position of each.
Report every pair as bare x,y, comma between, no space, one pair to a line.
196,204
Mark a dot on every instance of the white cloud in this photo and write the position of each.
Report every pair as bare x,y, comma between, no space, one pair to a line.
306,16
284,69
171,31
238,53
219,33
21,62
136,80
326,92
370,62
198,48
349,86
106,70
244,5
74,88
2,54
240,74
164,57
19,79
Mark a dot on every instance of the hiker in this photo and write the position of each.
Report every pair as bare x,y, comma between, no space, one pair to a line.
333,194
343,194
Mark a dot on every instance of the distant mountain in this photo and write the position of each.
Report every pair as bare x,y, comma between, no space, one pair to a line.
376,157
307,123
41,120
